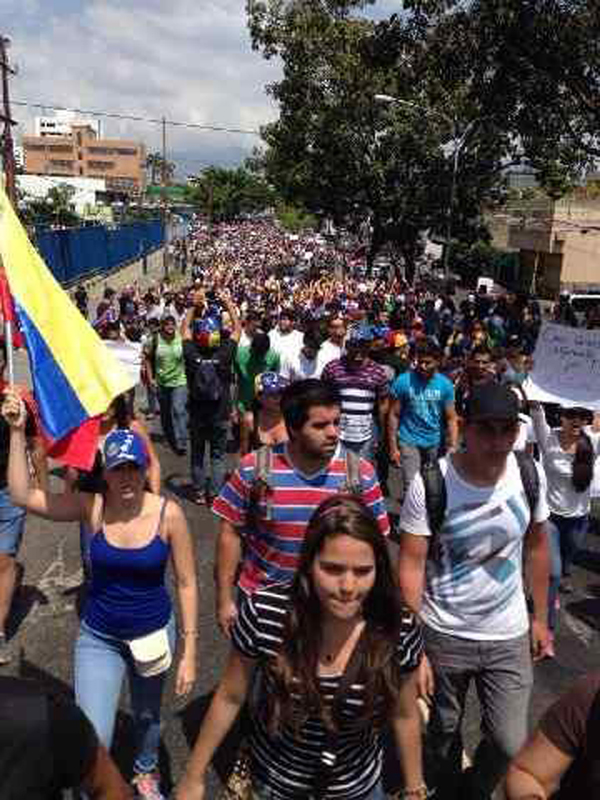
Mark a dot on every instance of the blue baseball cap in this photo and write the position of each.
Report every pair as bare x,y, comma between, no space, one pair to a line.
124,446
360,335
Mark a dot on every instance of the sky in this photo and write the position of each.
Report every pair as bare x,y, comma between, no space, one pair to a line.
187,60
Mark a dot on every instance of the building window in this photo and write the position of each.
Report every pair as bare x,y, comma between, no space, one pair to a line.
126,151
60,163
101,164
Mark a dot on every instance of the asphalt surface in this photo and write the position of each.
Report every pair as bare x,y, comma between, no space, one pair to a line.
44,623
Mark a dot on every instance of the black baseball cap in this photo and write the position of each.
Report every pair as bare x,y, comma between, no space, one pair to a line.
492,401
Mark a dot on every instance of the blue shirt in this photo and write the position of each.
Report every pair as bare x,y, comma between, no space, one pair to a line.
422,408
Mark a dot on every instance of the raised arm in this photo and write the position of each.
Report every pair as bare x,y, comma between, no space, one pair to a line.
69,507
540,426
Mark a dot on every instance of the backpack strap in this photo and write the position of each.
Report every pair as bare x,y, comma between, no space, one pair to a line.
261,484
436,501
353,484
530,479
264,457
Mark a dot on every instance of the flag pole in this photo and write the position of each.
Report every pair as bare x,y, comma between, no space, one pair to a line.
8,327
10,354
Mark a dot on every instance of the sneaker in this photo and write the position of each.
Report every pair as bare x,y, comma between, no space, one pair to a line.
147,786
5,651
549,652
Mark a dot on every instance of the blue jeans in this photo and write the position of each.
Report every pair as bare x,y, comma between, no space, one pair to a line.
12,525
566,536
412,458
174,415
215,436
100,665
503,675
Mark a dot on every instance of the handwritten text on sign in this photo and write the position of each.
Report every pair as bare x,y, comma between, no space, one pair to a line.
566,367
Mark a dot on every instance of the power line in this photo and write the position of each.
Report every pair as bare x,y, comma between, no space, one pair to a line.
132,118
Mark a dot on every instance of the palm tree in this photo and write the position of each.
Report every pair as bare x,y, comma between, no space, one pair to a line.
153,164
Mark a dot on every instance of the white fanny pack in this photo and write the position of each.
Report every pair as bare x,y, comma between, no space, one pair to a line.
151,653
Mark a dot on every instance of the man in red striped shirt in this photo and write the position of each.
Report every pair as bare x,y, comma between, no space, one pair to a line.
269,531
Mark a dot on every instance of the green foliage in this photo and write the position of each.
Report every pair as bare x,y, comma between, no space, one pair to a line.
520,77
473,261
294,219
154,165
335,149
226,194
56,208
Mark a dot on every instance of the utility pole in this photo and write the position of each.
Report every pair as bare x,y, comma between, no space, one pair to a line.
164,197
8,154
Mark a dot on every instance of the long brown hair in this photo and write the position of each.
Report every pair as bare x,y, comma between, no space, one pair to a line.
293,673
583,460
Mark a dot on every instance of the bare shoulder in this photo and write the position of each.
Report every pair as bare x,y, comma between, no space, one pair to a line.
173,514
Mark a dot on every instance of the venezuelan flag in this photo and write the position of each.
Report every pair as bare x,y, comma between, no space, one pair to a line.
75,377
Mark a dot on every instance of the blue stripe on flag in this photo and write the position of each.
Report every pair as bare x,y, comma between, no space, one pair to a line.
59,406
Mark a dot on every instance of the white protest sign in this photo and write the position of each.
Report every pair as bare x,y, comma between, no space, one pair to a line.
566,367
130,356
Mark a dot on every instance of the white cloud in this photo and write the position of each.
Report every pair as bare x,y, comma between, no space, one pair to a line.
189,60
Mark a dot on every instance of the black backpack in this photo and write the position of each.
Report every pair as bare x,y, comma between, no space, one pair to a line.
436,496
206,385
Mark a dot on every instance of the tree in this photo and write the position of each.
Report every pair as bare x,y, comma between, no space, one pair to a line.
56,208
154,164
335,150
226,194
530,67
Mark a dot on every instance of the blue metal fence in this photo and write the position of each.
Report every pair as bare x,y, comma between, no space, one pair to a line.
78,253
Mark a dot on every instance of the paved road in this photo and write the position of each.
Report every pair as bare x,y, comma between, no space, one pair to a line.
45,622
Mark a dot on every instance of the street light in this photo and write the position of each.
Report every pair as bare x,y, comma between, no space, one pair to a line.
460,142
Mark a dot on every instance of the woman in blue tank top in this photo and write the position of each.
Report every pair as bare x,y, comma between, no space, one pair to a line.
127,624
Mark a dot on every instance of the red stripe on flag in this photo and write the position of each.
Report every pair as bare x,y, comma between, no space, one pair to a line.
8,311
78,448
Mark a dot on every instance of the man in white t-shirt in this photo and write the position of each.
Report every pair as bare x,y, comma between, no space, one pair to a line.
285,339
465,580
333,347
307,363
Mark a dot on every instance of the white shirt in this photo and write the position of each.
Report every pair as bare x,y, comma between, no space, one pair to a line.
563,500
286,344
474,589
330,351
245,340
298,367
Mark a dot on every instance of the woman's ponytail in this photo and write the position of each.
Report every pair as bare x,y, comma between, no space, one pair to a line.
583,463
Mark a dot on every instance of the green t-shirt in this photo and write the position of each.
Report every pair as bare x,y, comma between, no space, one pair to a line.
247,367
170,366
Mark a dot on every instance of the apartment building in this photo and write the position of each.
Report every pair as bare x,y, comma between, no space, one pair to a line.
81,153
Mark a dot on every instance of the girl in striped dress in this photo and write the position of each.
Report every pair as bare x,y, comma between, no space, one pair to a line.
302,635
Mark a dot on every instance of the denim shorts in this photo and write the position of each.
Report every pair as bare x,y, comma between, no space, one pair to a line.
12,525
